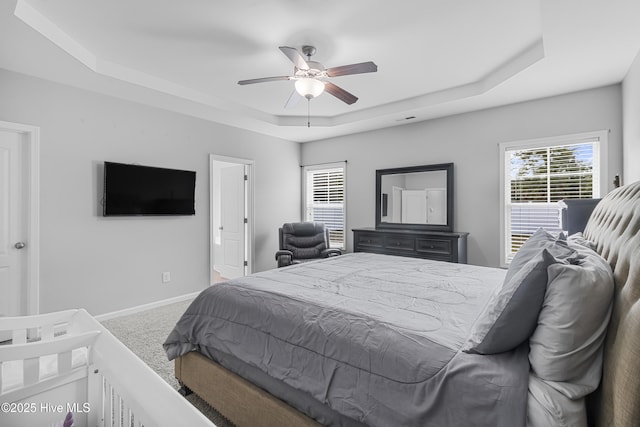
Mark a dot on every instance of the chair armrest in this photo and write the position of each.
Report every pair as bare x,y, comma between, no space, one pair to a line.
330,252
284,257
282,252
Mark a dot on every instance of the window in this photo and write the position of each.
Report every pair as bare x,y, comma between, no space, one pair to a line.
537,174
324,199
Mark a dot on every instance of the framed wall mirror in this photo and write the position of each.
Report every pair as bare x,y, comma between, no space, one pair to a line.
415,198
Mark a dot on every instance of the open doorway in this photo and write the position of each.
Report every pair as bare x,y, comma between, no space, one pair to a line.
231,218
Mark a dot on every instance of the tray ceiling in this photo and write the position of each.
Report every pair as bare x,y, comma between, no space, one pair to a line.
434,58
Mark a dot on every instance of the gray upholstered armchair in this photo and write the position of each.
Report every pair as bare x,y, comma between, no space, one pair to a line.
303,241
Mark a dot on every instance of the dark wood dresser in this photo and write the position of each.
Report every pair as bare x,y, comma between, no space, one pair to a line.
435,245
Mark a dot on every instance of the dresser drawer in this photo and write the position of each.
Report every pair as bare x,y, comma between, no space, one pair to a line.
369,240
400,243
434,246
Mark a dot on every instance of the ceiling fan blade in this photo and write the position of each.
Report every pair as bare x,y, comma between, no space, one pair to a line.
295,57
293,100
362,67
263,79
340,93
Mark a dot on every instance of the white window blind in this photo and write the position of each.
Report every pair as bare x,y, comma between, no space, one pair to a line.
537,175
325,199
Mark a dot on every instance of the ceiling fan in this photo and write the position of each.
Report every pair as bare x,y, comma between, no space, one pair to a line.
311,77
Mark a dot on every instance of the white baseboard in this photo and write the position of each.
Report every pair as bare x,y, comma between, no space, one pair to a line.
143,307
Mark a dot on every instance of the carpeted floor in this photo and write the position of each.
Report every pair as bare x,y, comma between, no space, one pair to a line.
144,333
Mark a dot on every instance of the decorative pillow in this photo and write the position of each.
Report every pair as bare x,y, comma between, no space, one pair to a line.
541,239
566,345
578,238
511,313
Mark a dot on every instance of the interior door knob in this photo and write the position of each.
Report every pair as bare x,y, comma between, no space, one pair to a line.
19,245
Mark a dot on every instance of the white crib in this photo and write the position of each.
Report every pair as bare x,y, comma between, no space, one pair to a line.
68,362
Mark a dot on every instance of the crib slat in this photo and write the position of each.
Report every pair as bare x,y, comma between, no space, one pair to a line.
64,361
110,407
46,332
117,409
19,336
127,419
105,399
95,387
106,405
31,371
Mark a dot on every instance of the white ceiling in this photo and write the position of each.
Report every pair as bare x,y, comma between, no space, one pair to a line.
434,57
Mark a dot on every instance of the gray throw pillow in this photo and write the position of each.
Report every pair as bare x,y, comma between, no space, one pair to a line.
511,314
542,239
578,238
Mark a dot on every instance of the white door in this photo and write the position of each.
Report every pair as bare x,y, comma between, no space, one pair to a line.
232,225
414,206
12,227
396,204
437,206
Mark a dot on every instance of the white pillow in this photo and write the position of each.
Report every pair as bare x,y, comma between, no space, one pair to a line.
566,345
547,407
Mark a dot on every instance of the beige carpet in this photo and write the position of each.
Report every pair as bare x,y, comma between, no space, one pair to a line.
144,333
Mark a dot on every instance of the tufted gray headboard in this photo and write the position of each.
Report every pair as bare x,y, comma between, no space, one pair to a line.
614,226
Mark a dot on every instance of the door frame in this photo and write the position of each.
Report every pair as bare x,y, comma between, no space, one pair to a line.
249,247
30,136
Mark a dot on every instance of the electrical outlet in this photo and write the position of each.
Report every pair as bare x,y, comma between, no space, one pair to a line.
166,277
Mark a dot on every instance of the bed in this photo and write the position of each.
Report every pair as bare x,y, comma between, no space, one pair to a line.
367,339
65,367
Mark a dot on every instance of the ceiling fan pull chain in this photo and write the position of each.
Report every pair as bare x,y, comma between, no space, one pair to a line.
308,112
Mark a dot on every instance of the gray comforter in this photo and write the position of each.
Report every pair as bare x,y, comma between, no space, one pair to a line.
374,337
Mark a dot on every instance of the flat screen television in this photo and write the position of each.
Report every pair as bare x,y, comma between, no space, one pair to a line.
131,190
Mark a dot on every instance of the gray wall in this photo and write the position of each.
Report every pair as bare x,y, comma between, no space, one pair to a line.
107,264
470,141
631,123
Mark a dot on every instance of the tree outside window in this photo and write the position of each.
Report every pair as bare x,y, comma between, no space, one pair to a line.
539,174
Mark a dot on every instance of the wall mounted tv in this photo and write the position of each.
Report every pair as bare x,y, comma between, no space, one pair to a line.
145,190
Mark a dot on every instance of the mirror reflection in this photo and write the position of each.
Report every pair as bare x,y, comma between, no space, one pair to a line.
414,198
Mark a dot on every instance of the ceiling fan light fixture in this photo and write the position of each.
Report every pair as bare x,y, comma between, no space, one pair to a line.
309,87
